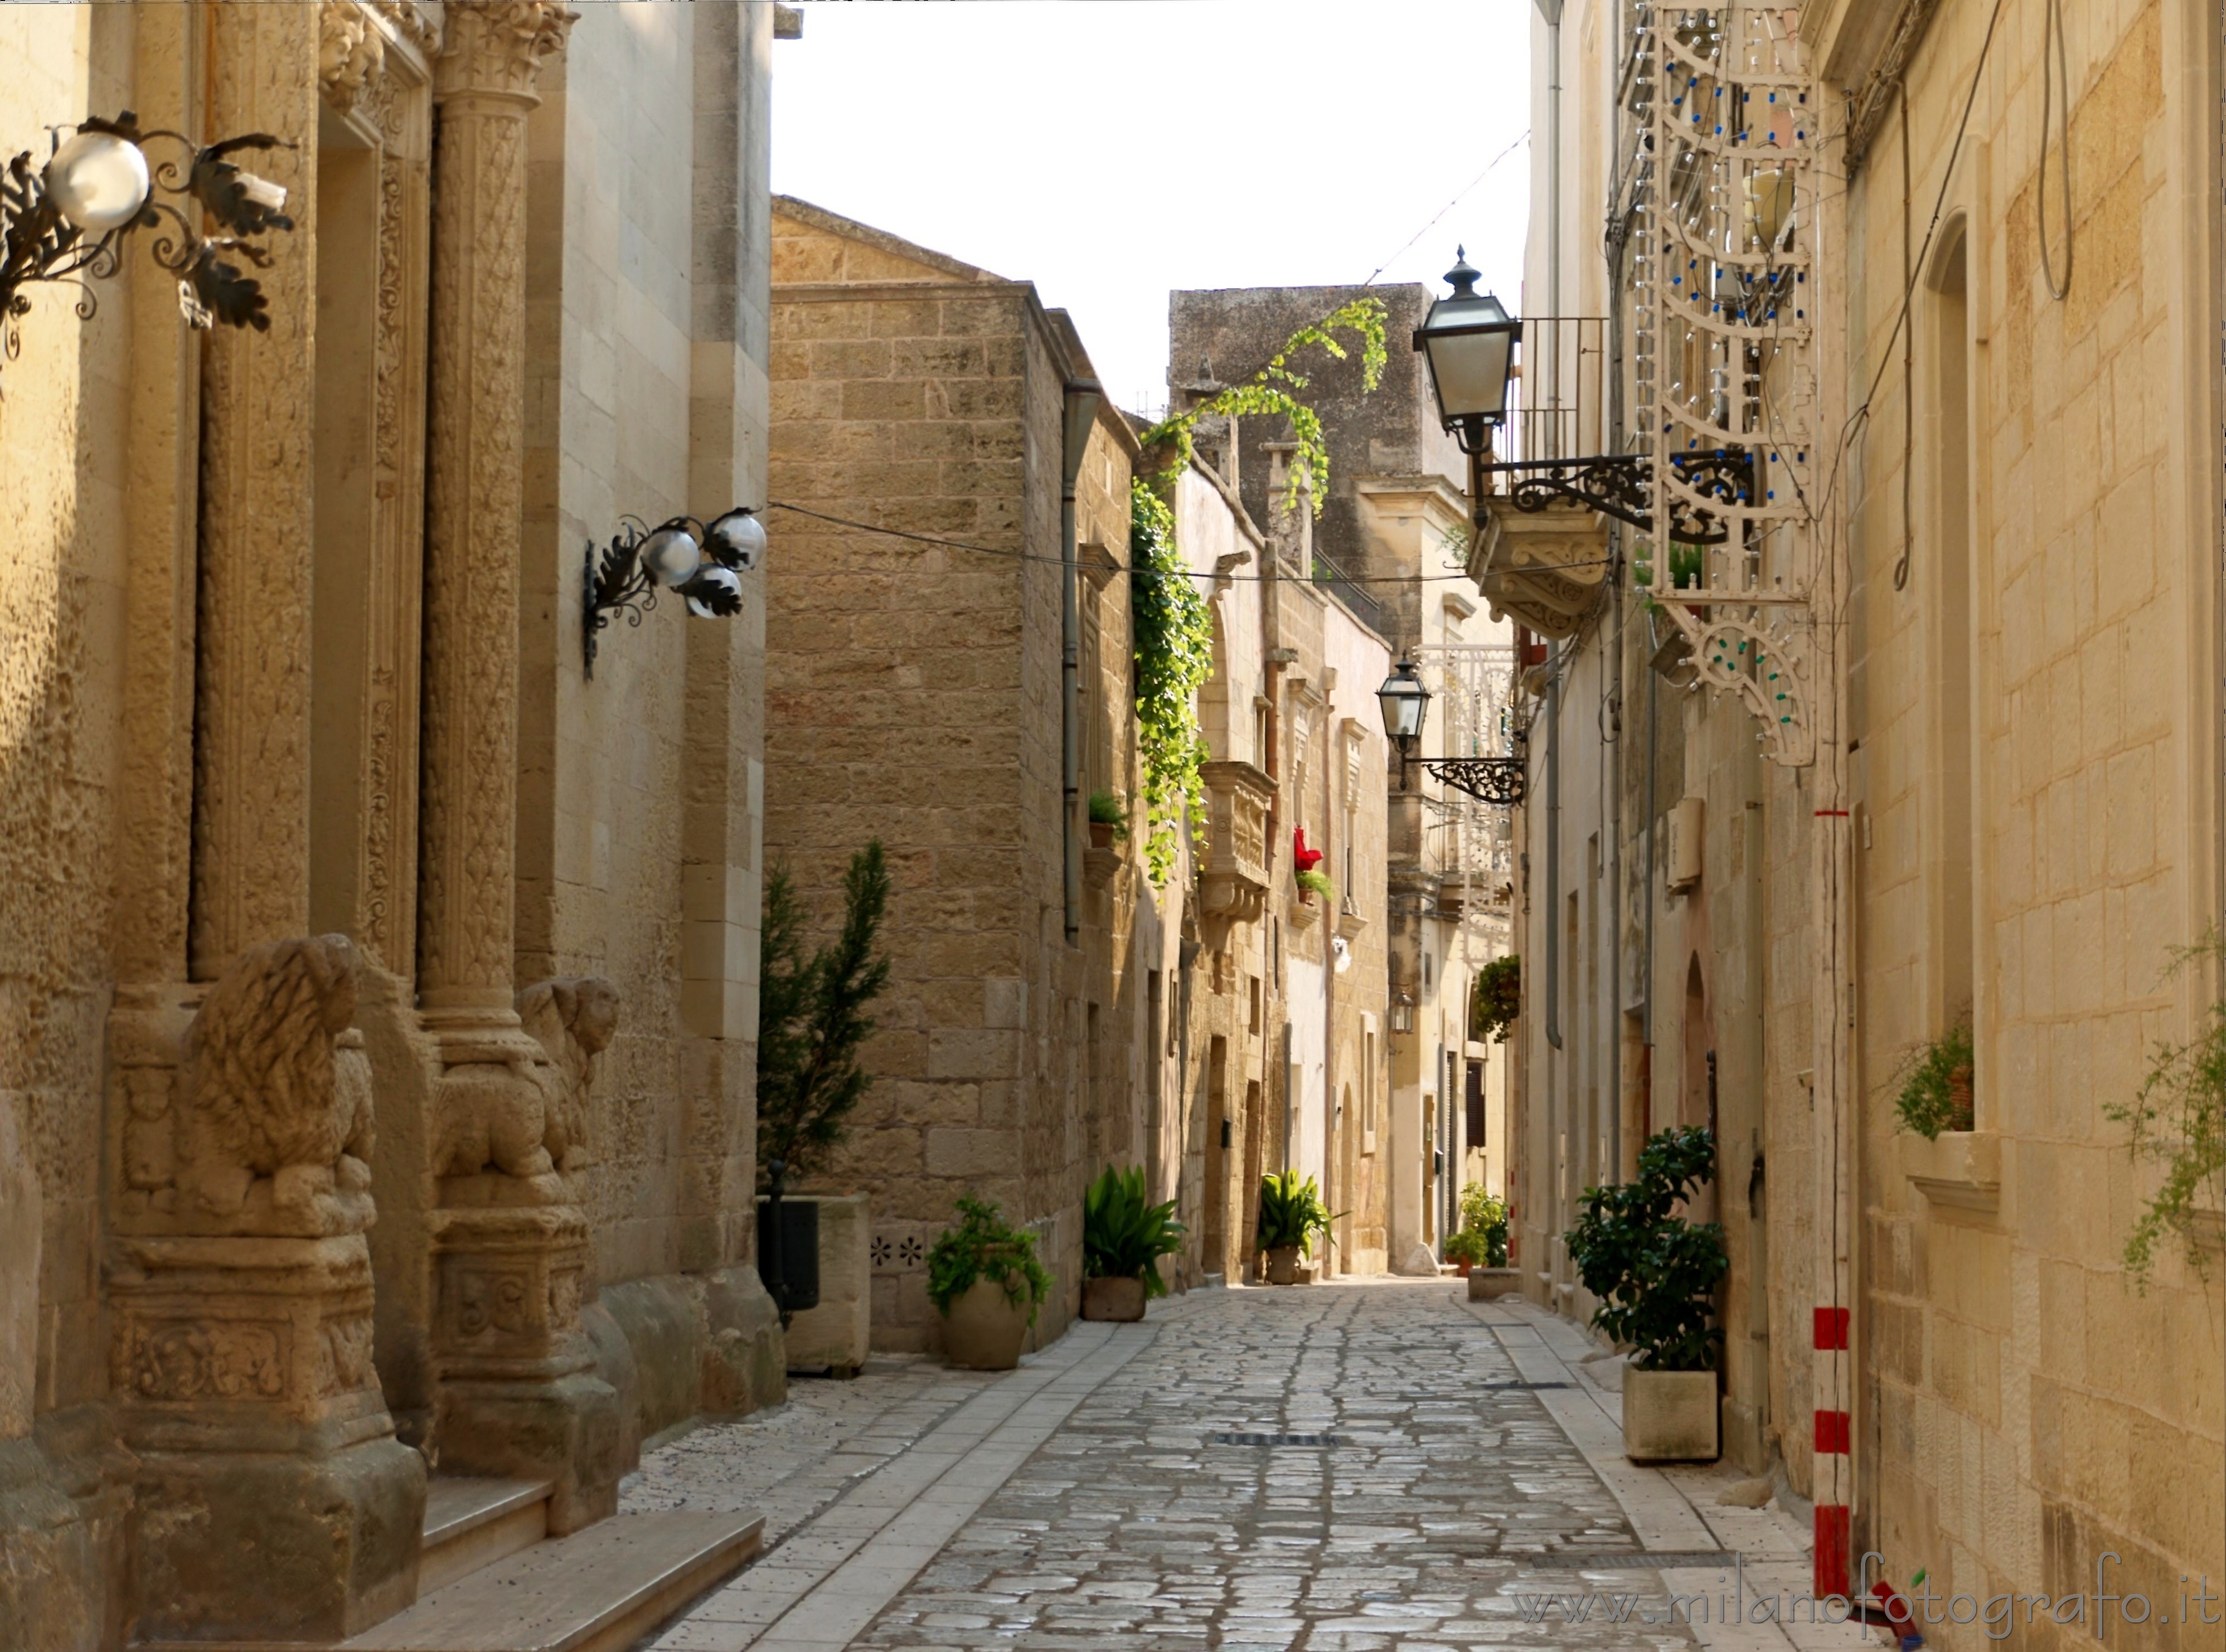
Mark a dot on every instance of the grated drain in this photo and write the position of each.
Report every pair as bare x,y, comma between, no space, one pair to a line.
1522,1385
1272,1439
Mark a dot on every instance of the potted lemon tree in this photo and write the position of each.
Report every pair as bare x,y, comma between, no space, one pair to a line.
1656,1274
1123,1237
984,1279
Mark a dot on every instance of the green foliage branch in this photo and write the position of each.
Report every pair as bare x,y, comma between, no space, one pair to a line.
1497,998
1485,1214
1318,883
984,1246
813,1018
1174,657
1123,1234
1173,631
2177,1118
1466,1246
1934,1091
1654,1272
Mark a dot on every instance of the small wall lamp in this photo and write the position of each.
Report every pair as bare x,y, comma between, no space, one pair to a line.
704,563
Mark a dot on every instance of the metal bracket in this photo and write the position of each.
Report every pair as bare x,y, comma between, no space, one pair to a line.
1488,779
1619,486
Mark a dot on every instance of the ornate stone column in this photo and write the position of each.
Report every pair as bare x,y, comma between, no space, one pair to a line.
517,1393
251,827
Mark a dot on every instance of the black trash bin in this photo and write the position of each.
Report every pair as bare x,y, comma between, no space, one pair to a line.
788,1252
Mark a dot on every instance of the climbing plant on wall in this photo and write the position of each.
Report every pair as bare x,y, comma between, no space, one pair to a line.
1174,632
1174,657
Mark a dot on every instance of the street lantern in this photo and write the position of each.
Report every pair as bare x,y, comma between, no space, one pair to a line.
1468,340
67,221
701,562
1405,702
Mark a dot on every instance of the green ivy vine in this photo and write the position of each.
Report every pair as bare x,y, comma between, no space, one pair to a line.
1174,657
1173,632
1274,389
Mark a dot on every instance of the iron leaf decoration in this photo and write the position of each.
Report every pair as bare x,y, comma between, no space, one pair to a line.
717,595
40,245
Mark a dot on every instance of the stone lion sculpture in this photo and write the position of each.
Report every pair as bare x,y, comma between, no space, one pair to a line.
278,1084
574,1020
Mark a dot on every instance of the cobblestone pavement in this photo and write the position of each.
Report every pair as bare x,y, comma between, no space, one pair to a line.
1130,1489
789,1463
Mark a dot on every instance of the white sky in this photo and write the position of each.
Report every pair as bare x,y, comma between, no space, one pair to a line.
1113,150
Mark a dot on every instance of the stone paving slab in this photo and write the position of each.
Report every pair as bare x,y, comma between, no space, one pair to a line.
1086,1501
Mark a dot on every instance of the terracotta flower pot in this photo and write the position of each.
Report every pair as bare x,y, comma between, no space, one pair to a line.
1461,1270
1283,1265
1101,834
984,1330
1120,1300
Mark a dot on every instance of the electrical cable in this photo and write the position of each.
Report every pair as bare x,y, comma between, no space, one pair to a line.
2053,27
1449,205
1122,568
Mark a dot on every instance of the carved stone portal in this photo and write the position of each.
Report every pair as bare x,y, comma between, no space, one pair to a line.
239,1286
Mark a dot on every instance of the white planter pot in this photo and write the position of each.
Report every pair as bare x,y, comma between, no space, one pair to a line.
1669,1416
833,1336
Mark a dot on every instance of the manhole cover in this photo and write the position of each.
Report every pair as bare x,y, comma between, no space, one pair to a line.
1274,1440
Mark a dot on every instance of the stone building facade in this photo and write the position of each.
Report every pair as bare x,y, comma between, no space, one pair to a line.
2011,819
315,821
1276,1053
915,695
1389,543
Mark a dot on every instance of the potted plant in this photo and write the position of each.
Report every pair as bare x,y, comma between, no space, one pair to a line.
1656,1274
984,1278
1465,1251
1123,1237
1291,1214
1108,820
1312,883
1936,1083
1485,1220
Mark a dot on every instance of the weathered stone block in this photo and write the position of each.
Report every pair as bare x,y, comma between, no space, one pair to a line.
834,1336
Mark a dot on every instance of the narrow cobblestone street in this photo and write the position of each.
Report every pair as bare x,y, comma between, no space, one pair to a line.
1452,1478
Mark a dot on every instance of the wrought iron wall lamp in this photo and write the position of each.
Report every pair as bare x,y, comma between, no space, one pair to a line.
703,562
67,221
1405,702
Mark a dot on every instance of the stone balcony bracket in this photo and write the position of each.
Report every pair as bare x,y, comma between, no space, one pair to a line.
1961,1170
1546,569
1233,876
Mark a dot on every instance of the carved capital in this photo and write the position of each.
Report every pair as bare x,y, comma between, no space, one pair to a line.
351,51
497,47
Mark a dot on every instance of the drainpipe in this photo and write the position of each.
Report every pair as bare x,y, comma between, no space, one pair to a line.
1554,848
1082,398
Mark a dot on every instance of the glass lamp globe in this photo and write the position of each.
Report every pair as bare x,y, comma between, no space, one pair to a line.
737,540
720,583
99,182
670,555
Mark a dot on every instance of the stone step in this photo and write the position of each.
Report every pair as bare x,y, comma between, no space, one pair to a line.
599,1589
471,1524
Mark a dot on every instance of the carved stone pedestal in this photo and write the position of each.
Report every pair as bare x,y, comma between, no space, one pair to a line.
518,1392
273,1502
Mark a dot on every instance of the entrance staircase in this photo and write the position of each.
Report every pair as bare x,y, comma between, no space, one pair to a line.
490,1579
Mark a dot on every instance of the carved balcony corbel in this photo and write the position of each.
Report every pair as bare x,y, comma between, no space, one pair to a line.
1546,567
1233,875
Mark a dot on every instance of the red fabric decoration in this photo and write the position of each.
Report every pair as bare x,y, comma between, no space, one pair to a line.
1302,857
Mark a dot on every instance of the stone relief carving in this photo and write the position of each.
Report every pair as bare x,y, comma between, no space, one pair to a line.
499,45
351,51
574,1020
278,1127
182,1360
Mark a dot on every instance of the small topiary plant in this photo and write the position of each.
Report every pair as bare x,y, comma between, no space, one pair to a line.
984,1246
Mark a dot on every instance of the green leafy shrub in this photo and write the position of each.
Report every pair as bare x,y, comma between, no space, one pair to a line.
1291,1213
1466,1246
1936,1083
812,1016
1654,1272
1497,1000
1317,883
1123,1235
1107,809
984,1246
1485,1214
2177,1118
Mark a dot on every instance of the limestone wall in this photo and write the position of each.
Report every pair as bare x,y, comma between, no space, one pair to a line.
914,695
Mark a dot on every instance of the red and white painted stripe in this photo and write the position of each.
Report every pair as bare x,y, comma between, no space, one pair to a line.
1834,1477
